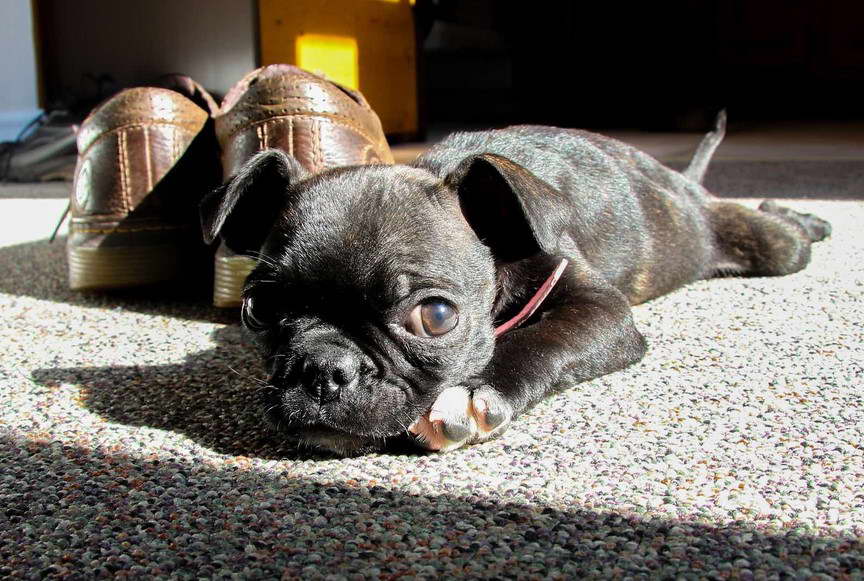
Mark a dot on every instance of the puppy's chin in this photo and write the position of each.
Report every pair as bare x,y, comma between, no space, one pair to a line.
340,443
324,437
327,439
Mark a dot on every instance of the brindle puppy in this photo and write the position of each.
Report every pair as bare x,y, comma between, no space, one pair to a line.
444,298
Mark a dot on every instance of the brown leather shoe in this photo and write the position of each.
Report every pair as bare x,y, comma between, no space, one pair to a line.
146,157
320,123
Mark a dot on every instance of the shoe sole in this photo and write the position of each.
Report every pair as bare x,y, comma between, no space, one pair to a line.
229,276
121,267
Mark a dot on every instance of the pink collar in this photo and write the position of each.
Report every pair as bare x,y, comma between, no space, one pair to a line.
535,301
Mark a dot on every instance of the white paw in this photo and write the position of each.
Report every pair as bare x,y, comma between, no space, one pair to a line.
461,416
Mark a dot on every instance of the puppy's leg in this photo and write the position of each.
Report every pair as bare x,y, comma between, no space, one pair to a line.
461,415
586,331
770,241
816,228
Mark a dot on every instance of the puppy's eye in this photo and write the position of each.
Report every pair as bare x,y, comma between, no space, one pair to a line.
255,313
431,318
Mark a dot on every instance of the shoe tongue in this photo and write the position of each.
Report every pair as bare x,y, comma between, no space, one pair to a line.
189,89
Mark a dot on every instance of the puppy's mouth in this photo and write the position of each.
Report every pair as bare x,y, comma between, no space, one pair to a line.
347,428
320,435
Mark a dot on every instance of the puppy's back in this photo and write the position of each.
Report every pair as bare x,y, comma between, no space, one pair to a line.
576,162
628,211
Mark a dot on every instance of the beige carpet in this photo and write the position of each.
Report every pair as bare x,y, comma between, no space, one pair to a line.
132,446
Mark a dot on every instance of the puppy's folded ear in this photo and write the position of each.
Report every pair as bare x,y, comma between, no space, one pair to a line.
512,211
244,209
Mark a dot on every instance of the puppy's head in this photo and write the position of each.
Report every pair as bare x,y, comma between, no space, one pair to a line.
374,287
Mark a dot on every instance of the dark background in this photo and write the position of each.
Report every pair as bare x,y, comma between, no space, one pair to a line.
657,65
665,65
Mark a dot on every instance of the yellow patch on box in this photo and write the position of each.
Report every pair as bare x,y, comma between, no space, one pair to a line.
336,57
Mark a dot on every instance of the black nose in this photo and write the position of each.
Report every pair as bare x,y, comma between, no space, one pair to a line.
325,372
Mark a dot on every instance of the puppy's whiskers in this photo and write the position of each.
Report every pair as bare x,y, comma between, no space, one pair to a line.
261,257
264,388
405,422
263,383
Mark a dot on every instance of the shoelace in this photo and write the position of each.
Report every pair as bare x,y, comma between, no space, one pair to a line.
65,214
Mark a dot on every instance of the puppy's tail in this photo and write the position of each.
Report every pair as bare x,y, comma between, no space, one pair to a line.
699,164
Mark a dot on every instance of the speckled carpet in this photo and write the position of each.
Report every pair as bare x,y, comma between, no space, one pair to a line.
131,446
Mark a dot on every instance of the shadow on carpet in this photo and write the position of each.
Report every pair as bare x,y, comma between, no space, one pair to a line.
157,517
212,398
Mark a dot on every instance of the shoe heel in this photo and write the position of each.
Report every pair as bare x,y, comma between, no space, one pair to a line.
119,267
229,275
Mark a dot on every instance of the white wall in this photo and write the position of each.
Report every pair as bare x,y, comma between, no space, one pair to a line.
135,41
18,97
